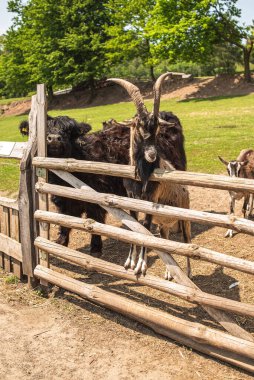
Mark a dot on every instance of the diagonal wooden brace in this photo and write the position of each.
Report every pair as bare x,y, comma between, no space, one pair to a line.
179,276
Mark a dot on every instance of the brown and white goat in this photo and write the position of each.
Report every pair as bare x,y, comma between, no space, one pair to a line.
242,167
145,156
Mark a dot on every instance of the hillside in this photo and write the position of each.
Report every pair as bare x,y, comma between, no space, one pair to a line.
111,93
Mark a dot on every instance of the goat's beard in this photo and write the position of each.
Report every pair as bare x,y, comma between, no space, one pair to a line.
144,169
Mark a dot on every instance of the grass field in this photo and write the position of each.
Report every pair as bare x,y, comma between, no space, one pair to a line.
212,127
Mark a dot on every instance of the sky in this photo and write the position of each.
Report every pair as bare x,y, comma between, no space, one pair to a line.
247,7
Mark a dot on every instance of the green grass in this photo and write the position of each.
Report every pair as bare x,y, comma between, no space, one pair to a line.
11,280
215,126
10,100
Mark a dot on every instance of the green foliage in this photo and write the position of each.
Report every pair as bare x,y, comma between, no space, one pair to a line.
54,43
68,43
11,280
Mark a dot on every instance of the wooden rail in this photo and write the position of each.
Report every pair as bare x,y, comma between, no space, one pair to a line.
192,251
180,277
10,203
181,291
233,350
226,221
186,178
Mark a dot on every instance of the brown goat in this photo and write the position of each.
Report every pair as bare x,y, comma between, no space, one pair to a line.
145,156
242,167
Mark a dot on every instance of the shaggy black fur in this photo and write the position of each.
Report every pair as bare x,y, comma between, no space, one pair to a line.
67,138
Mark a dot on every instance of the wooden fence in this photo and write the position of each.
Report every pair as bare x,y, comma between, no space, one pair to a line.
235,346
18,228
10,246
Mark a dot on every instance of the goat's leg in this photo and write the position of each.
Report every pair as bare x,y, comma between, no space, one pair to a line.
229,232
250,204
62,207
186,229
246,210
132,256
142,260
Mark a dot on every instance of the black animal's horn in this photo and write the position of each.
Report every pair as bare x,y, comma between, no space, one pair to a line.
157,93
134,93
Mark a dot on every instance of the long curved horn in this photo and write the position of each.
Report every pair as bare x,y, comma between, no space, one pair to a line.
157,93
134,93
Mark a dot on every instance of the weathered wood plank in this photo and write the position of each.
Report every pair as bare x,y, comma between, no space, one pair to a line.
10,247
12,149
226,221
172,247
101,266
26,191
176,176
179,276
42,151
6,231
231,349
14,234
9,202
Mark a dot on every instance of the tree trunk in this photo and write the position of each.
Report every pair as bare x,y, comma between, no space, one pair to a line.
50,93
152,73
246,57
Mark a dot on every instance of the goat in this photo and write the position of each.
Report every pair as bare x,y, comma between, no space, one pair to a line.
147,154
242,167
67,138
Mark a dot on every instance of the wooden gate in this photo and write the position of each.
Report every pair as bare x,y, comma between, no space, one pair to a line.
236,346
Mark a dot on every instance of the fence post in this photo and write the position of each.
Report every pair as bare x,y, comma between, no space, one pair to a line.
26,200
42,173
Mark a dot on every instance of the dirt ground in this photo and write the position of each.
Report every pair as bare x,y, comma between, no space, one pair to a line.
64,336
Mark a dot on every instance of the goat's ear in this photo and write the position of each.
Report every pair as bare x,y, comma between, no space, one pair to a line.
223,161
24,128
244,163
80,129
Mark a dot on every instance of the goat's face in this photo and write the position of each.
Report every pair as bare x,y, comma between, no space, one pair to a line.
61,133
234,167
58,139
145,133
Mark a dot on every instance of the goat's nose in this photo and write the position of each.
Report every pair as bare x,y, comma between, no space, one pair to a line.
53,138
152,156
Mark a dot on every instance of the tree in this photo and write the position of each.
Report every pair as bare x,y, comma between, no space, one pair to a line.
192,30
230,31
129,33
59,43
176,30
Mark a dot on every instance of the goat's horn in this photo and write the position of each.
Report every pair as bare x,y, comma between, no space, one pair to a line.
134,93
157,93
167,123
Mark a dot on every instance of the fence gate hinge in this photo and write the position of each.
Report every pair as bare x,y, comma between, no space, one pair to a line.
41,172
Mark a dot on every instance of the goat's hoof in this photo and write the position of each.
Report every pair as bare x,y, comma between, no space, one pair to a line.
137,270
144,268
229,233
127,264
168,276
